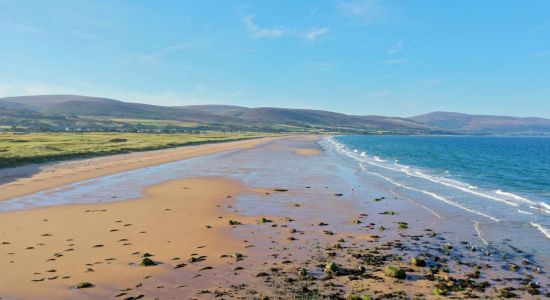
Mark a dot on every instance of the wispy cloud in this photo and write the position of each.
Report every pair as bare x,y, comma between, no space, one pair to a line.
396,48
319,66
313,34
258,32
367,11
22,28
155,58
397,61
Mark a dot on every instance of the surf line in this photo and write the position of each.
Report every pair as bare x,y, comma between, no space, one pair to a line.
433,195
423,206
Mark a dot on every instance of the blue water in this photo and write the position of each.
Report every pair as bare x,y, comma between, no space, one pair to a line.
501,183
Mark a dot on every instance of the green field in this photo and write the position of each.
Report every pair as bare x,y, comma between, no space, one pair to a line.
21,148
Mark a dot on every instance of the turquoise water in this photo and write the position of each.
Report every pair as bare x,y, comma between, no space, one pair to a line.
501,183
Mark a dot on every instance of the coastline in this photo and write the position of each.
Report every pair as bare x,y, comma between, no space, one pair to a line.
32,178
300,210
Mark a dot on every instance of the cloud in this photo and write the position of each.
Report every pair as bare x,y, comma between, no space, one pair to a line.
397,61
259,32
396,48
313,34
155,58
22,28
367,11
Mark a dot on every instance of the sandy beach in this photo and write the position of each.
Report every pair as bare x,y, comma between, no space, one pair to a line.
32,178
261,219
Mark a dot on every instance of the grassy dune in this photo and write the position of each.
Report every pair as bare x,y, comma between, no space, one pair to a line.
18,149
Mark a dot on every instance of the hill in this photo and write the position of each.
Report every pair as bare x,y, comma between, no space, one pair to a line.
92,110
485,124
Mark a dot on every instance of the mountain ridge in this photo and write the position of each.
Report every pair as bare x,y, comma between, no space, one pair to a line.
77,107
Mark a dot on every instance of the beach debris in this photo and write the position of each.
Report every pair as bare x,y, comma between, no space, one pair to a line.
395,272
84,285
403,225
178,266
233,222
280,190
322,224
379,199
388,212
339,195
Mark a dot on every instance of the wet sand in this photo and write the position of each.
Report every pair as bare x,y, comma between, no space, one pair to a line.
32,178
292,216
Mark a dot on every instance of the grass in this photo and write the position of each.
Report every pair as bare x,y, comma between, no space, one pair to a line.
17,148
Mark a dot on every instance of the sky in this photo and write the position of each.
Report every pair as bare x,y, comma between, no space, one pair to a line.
396,58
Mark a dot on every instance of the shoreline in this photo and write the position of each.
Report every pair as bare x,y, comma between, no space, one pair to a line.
295,211
33,178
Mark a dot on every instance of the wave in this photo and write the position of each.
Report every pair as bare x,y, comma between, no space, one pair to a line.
431,194
465,187
514,196
476,227
544,231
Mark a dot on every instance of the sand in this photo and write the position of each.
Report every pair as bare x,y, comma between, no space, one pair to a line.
102,244
289,229
33,178
307,151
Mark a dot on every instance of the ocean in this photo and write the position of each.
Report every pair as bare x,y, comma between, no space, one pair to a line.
500,184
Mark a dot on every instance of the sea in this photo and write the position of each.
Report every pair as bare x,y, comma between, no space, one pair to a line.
499,184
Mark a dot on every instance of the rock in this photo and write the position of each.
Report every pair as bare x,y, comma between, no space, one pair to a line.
237,256
264,220
232,222
339,195
331,267
364,297
440,292
395,272
419,262
280,190
357,221
302,272
146,262
84,285
146,254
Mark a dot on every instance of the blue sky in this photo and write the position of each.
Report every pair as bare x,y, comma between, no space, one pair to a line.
398,58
